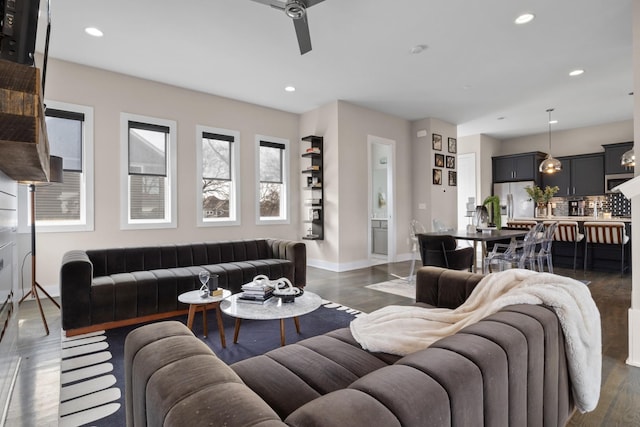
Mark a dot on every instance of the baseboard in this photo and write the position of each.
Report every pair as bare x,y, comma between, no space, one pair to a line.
355,265
634,338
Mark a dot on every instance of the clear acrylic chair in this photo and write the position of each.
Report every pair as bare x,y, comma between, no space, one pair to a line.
519,252
544,252
415,228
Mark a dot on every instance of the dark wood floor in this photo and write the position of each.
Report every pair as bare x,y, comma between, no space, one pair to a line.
35,401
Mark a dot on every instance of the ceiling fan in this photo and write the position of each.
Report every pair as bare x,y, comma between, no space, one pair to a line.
296,10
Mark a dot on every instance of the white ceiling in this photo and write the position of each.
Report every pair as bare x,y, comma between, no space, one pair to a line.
478,64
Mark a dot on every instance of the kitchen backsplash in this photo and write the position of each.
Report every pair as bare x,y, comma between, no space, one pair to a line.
615,203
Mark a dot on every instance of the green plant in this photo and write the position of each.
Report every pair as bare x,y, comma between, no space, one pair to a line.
539,196
494,201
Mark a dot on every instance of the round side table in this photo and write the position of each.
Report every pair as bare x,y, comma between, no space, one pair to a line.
197,303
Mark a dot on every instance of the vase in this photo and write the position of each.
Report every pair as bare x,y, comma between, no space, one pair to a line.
541,210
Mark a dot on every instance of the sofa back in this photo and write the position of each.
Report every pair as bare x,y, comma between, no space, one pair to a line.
126,260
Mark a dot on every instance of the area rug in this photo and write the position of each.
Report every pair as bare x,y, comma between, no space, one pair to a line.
396,287
92,367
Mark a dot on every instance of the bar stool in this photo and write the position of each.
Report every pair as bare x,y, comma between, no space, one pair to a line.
605,233
521,223
568,231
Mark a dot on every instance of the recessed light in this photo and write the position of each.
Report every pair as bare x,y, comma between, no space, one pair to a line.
524,18
290,89
417,49
553,122
576,72
93,31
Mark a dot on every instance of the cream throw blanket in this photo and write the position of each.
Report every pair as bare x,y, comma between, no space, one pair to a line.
403,330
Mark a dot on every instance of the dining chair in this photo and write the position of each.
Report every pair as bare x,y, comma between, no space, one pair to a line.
605,233
568,231
518,252
544,253
442,251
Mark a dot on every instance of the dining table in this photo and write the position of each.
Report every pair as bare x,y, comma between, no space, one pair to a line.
482,237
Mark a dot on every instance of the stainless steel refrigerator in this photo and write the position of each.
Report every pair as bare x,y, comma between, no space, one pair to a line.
514,200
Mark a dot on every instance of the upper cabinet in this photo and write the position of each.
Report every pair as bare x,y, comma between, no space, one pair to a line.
612,155
580,176
517,167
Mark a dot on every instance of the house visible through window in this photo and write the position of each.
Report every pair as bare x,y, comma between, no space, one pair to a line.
217,155
65,204
272,202
147,171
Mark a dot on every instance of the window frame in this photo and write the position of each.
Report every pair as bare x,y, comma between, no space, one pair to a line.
87,217
171,205
285,202
234,206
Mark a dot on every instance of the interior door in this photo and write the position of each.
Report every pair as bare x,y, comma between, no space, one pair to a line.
381,223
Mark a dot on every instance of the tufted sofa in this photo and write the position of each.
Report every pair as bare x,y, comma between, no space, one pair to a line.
106,288
509,369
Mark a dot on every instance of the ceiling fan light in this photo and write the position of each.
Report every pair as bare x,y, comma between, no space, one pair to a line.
295,9
550,165
628,159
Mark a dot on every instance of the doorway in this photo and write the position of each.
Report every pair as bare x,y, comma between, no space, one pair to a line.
466,187
381,200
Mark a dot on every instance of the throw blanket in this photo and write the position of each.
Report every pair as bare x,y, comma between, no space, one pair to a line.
405,329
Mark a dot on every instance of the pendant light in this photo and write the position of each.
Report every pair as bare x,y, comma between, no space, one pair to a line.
628,159
550,165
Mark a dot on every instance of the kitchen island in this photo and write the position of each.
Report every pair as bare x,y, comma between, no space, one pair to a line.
601,257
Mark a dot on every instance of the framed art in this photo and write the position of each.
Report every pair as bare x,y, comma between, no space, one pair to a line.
439,160
436,141
437,176
453,145
451,162
453,178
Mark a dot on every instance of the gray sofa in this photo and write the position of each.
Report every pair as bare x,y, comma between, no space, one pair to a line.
509,369
106,288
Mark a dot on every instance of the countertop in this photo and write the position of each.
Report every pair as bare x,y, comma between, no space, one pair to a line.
578,218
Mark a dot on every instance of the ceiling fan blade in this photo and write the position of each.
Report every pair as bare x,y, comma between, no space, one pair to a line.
273,3
312,2
302,32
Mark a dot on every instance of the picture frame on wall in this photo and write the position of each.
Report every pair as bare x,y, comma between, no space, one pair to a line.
453,178
439,160
436,141
451,162
453,145
437,176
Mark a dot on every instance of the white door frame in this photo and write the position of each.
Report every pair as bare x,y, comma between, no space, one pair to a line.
391,207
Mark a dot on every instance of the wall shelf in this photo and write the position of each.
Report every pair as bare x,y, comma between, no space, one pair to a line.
313,218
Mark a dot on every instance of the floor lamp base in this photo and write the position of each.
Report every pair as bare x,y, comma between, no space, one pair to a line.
34,291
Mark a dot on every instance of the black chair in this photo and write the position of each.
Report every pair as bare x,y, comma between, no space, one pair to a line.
442,251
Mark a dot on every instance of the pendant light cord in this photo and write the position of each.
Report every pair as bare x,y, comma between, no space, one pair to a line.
549,111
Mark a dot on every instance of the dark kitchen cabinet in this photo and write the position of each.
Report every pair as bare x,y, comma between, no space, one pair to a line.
517,167
612,155
580,176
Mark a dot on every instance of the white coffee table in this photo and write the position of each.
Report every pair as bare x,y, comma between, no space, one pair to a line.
196,302
270,310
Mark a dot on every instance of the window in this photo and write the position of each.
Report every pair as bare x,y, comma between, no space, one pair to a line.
218,176
148,149
68,206
273,193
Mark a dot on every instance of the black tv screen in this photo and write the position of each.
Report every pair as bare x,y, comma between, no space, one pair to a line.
19,23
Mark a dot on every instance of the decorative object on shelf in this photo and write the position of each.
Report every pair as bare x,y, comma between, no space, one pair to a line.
628,159
436,141
55,175
453,145
550,165
439,160
496,219
437,176
453,178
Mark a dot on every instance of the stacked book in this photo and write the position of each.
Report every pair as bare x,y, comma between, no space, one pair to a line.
256,293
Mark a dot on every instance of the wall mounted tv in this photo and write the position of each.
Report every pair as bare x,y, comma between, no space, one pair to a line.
18,26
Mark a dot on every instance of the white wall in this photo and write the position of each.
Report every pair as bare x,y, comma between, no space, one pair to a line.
573,141
110,93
